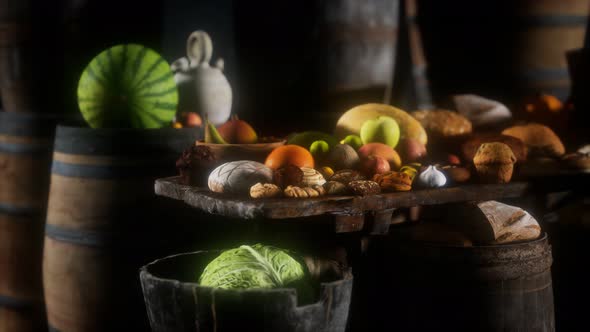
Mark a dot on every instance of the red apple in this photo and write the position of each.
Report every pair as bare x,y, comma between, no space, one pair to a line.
374,165
190,119
237,131
382,150
411,150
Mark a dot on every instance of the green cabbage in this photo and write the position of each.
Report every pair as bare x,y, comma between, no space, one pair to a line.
257,266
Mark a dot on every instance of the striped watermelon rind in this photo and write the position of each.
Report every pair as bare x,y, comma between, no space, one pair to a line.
126,86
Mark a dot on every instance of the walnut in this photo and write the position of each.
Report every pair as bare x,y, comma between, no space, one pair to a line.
289,175
346,175
335,188
364,187
265,190
304,192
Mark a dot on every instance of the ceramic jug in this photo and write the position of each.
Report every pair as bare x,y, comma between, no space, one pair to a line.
202,88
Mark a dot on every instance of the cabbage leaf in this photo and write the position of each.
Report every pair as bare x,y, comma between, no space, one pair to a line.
256,266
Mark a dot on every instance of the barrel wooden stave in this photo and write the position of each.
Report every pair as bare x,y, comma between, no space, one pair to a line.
430,287
170,291
25,145
80,285
14,320
546,30
104,222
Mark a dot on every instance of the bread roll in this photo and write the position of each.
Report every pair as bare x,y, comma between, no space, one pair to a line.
540,140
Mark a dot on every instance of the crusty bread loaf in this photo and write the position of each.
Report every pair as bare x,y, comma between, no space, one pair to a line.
443,123
540,140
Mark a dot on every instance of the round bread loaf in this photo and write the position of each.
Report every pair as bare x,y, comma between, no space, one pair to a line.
237,177
443,123
540,140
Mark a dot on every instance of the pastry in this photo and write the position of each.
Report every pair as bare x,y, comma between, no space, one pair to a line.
346,175
394,181
195,164
265,190
289,175
304,192
443,123
494,162
335,188
364,187
540,140
469,147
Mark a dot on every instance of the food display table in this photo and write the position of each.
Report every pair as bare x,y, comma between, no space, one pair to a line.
358,213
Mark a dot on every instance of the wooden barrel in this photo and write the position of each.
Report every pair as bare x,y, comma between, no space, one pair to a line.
505,50
319,57
104,222
176,303
549,29
426,287
26,142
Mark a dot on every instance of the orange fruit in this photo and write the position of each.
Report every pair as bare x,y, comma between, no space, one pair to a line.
289,155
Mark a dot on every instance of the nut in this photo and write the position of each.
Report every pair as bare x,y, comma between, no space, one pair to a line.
265,190
335,188
364,187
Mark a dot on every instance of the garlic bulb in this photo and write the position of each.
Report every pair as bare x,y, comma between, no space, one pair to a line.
432,178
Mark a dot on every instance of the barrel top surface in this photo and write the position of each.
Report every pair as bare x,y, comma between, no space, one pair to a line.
283,208
123,141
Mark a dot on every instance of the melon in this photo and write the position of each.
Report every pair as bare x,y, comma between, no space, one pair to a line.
127,86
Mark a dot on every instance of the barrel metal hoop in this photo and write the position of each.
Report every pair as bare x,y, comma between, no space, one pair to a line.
12,210
14,303
554,20
104,171
24,148
80,237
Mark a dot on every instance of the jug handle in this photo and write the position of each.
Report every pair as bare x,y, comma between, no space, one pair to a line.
199,48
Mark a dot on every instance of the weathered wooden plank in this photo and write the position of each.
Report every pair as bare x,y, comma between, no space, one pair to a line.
282,208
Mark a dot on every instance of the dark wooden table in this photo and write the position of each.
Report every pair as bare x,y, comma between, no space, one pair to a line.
358,213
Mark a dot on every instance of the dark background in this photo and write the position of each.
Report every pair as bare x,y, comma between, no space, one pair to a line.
269,48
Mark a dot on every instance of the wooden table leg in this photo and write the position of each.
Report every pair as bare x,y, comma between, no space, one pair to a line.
381,221
346,223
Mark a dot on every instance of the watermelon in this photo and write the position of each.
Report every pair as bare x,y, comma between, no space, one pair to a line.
128,86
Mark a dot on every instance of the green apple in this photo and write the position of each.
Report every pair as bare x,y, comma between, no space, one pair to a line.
380,130
353,140
319,149
306,138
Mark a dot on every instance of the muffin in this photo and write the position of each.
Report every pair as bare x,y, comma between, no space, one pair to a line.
540,140
469,147
494,162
